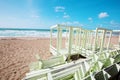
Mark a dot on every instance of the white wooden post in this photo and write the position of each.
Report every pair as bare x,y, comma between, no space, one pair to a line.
58,34
79,38
82,42
109,40
75,38
66,39
70,40
95,42
60,38
49,76
85,37
102,43
91,39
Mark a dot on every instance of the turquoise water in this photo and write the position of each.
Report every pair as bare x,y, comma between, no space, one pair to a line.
15,32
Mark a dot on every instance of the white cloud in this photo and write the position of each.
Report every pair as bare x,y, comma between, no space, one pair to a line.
66,23
90,19
113,23
59,9
74,23
66,16
103,15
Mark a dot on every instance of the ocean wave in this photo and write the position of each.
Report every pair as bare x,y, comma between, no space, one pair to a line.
34,33
20,33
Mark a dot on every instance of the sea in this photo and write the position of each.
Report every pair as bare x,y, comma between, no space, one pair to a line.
17,32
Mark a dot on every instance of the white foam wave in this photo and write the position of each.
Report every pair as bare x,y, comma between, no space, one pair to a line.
21,33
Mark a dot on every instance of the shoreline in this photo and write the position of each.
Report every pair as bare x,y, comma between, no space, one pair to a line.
22,38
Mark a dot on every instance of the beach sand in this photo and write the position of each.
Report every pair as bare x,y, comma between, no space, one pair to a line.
17,53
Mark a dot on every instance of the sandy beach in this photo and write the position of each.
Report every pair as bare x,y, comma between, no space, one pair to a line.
17,53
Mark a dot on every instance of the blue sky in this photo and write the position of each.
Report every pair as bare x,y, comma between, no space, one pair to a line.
44,13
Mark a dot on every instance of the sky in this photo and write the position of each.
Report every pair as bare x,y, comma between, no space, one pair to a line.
45,13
